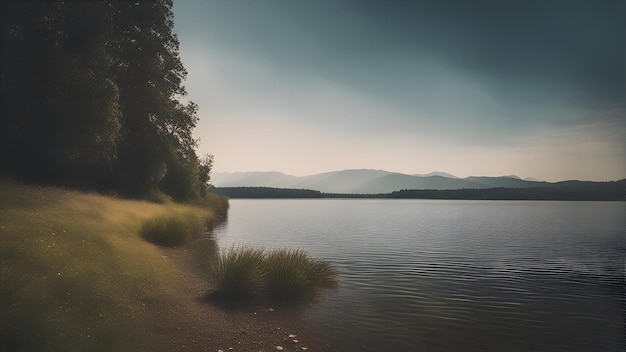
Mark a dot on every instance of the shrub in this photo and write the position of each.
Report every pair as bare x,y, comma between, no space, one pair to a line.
245,272
238,273
219,205
171,230
291,273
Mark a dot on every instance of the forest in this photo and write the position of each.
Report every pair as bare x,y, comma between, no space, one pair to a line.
93,99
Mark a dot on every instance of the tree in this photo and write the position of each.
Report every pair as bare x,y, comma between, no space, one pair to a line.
157,128
60,112
92,97
206,165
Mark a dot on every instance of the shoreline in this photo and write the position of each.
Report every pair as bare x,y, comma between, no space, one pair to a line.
564,191
205,326
80,277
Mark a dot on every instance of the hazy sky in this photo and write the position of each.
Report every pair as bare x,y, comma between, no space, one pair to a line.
526,87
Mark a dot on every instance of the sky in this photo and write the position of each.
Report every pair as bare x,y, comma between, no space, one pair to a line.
533,88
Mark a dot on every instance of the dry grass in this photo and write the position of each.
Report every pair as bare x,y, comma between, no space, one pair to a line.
173,230
75,273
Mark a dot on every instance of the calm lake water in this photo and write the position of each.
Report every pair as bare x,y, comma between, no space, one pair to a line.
429,275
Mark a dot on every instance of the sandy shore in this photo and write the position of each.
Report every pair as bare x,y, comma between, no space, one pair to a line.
208,326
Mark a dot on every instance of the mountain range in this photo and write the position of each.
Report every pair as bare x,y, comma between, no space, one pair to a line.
375,181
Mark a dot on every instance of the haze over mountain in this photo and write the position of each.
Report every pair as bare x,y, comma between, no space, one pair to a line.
368,181
437,173
490,87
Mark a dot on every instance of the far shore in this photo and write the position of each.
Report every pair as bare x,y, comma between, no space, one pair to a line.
574,191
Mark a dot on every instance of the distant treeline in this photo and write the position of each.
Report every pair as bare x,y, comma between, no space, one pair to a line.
601,194
571,190
92,98
266,192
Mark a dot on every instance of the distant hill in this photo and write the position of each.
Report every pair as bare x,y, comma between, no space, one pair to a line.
532,179
345,181
436,173
396,182
252,179
505,181
365,181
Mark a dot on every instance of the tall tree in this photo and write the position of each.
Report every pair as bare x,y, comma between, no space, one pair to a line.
92,96
157,128
60,112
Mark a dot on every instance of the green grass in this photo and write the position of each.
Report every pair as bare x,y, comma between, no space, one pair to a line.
237,273
172,230
281,274
292,273
75,273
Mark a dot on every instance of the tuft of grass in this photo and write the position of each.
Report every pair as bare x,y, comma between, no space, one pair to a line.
292,273
284,274
172,230
238,273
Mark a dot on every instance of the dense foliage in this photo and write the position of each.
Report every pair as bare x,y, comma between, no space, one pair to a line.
92,97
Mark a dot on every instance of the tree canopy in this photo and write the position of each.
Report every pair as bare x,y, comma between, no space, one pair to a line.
93,97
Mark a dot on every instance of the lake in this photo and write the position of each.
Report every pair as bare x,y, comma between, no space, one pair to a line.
430,275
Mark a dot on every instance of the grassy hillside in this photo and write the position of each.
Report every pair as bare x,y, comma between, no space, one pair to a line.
76,274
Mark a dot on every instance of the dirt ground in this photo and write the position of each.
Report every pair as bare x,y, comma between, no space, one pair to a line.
213,327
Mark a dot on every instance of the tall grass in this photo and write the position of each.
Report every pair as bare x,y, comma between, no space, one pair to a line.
76,276
284,274
172,230
238,273
292,273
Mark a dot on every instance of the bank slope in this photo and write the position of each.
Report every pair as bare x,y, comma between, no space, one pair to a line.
76,274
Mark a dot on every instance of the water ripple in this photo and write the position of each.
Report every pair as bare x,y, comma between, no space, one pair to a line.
454,275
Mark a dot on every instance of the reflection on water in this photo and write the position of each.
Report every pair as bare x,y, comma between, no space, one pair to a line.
455,275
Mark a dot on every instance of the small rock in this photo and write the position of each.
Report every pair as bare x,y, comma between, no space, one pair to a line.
295,341
271,309
220,350
291,336
305,348
279,348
